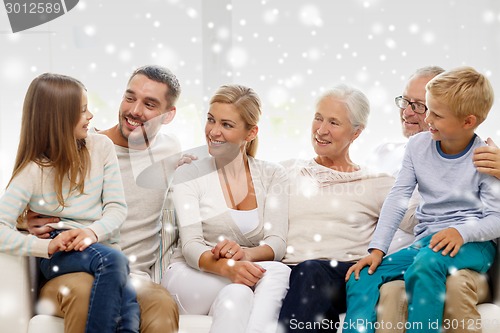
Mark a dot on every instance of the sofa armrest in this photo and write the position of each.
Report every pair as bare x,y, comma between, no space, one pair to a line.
16,294
169,237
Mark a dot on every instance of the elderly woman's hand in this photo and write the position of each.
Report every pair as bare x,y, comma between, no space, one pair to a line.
373,260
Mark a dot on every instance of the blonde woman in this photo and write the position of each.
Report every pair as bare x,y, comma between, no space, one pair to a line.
232,211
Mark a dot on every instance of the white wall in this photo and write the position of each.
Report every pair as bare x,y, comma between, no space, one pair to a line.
288,51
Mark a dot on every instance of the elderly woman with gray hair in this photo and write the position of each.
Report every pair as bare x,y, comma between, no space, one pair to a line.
334,205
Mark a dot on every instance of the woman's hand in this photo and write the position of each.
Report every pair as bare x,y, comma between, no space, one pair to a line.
238,271
244,272
373,260
228,249
37,224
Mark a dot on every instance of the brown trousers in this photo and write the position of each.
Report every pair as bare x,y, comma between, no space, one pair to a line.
464,290
70,294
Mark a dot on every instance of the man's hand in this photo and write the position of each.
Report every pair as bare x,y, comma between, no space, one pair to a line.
487,159
186,159
37,224
449,239
373,260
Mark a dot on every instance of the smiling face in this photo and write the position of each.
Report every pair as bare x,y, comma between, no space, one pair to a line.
226,132
81,128
144,108
411,122
332,132
444,124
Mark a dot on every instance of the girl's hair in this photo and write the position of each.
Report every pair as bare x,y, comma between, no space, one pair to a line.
51,111
247,102
355,100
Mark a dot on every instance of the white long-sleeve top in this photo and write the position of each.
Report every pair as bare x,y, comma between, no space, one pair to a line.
101,207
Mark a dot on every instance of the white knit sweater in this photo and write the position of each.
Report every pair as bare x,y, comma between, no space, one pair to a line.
332,214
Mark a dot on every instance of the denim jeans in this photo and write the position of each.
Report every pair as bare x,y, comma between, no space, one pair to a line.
424,272
317,292
113,306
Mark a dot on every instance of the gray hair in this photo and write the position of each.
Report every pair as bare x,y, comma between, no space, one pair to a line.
161,75
428,71
355,100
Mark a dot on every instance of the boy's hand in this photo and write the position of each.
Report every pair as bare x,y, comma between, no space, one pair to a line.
487,159
373,260
78,239
449,239
37,224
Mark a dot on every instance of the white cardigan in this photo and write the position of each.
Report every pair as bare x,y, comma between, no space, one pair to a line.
204,218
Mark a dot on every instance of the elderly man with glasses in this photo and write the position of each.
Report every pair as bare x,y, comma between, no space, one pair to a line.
465,288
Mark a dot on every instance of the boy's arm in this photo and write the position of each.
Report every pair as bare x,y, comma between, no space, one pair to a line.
486,227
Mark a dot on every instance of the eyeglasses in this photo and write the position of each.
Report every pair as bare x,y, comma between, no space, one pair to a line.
417,107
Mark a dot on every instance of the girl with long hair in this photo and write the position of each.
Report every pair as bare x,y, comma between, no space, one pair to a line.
62,171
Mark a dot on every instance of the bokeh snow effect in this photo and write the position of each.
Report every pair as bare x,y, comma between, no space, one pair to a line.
288,51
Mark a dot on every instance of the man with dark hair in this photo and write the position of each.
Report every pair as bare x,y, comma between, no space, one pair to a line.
147,104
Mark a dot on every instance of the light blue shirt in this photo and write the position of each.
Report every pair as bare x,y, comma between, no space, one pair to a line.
453,194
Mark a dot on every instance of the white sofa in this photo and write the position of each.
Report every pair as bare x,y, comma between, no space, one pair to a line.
17,302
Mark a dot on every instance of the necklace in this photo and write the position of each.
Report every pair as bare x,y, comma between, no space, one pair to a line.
228,188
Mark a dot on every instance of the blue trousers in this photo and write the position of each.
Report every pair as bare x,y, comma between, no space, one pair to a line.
317,292
113,306
424,272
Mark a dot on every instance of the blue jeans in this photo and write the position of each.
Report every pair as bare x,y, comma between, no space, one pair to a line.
113,306
424,272
317,292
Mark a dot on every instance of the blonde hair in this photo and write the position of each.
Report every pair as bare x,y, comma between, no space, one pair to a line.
465,91
247,102
51,111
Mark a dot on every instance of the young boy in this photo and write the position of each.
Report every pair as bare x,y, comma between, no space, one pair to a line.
459,212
